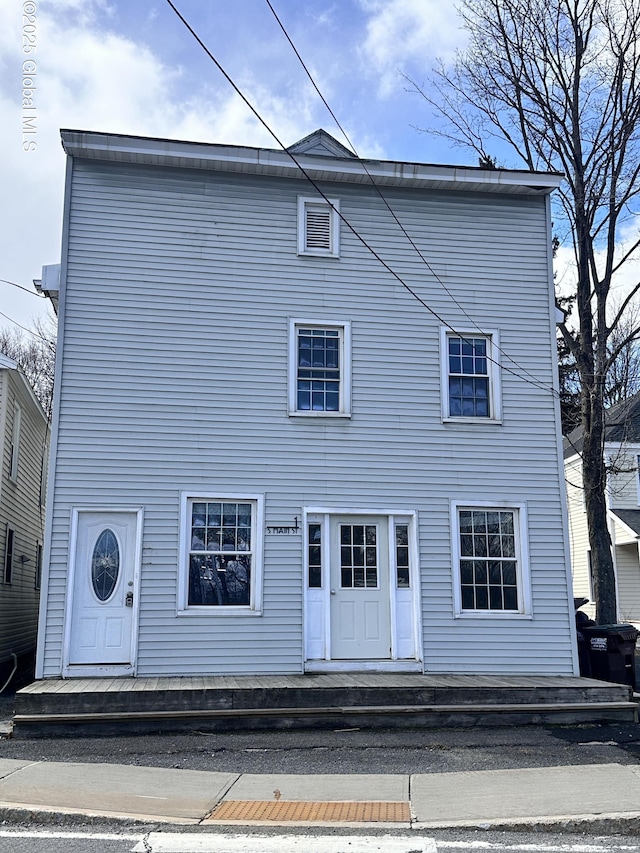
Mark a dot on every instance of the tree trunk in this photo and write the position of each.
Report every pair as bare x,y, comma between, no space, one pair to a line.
594,482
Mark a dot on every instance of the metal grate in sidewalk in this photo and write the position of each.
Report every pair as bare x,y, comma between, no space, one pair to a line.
308,812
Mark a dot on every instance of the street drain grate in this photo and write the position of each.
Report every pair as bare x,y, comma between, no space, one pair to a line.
372,812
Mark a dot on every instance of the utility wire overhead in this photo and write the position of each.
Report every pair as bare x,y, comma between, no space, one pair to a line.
26,289
537,383
388,206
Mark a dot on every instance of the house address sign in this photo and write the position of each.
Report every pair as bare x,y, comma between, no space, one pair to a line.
284,529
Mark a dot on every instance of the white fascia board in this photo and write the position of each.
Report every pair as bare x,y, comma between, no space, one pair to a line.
266,161
6,362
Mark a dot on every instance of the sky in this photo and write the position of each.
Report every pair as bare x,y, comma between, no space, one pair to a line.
130,66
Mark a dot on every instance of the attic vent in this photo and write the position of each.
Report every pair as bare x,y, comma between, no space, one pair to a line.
318,227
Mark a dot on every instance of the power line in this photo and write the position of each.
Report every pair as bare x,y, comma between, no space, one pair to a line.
539,384
26,290
24,328
388,206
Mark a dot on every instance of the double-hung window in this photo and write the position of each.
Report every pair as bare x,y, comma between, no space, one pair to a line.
318,227
320,369
490,559
222,553
470,376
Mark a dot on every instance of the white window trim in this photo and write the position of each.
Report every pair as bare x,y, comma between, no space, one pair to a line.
15,443
303,249
323,515
344,327
522,568
254,608
495,390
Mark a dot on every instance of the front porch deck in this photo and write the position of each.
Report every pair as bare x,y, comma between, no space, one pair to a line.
216,703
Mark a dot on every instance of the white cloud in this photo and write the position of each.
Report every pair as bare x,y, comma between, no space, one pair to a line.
404,32
92,79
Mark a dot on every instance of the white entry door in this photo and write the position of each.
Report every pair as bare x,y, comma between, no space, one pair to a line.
360,608
104,592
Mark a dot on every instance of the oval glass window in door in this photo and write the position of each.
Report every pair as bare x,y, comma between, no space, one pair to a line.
105,565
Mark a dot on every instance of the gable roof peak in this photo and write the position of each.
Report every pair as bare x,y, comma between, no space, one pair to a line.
322,144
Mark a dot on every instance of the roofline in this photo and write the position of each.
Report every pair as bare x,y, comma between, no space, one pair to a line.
612,511
6,362
267,161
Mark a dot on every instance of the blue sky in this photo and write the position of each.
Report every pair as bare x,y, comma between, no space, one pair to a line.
132,67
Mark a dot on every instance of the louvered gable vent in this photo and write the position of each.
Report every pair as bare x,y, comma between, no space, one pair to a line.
318,227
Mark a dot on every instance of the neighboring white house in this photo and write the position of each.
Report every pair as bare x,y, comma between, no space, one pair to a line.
622,452
24,448
270,456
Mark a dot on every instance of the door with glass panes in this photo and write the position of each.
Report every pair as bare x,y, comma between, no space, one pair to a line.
360,610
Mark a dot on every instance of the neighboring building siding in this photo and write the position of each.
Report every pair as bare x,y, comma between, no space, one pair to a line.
623,481
628,573
578,533
20,508
178,292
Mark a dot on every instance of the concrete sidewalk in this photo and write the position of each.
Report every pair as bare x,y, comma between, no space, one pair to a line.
603,797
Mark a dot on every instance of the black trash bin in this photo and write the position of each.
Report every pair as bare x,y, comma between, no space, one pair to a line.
612,651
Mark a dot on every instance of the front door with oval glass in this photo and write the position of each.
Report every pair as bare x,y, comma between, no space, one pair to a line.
103,592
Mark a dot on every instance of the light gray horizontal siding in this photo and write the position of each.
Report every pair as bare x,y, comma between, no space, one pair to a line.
174,376
20,509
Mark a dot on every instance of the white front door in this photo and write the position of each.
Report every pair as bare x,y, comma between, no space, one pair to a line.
360,608
103,589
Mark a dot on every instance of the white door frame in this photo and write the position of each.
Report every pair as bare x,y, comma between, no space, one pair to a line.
317,602
84,670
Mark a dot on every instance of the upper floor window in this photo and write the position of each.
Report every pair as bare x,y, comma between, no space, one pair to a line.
470,376
15,444
318,227
320,369
223,553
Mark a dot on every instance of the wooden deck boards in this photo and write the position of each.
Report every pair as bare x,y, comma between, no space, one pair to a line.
301,682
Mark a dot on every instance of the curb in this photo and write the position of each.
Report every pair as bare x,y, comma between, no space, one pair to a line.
613,823
608,823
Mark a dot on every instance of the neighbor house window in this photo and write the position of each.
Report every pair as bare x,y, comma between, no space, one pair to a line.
490,565
470,381
320,370
38,575
15,444
223,544
318,227
8,555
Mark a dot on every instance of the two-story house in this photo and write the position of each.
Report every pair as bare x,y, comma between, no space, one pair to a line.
23,461
286,438
622,453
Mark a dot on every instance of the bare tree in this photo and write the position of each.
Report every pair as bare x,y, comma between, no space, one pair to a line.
558,81
35,352
623,378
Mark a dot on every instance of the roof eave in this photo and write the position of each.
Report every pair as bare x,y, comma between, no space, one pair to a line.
266,161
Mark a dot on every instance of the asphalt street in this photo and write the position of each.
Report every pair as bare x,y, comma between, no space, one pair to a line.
105,840
407,751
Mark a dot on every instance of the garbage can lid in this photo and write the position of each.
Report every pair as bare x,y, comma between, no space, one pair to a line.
623,631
